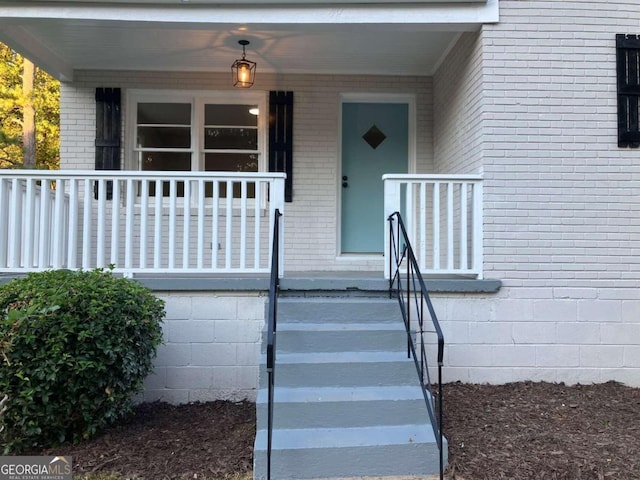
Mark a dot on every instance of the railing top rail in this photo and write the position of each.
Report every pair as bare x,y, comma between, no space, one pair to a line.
436,177
137,174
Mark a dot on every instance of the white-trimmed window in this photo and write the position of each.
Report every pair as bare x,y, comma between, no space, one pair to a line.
205,131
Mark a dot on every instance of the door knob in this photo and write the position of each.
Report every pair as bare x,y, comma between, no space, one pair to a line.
345,178
345,184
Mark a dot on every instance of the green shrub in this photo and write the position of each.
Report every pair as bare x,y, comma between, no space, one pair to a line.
74,347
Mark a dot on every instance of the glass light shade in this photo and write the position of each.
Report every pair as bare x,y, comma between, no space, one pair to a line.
243,73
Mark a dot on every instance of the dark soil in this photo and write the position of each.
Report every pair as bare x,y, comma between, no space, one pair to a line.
515,431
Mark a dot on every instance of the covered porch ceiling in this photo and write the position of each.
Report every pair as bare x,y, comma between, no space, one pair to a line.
387,38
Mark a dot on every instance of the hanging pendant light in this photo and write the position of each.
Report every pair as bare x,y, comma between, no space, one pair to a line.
243,71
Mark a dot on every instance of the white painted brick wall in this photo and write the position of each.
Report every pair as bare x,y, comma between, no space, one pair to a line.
77,127
458,132
560,195
211,347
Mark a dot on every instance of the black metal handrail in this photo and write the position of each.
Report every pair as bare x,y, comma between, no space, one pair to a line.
415,294
274,286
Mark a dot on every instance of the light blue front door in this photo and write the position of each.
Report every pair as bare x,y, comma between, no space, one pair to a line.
374,142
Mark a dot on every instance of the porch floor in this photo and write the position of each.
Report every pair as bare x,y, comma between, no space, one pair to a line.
336,281
310,281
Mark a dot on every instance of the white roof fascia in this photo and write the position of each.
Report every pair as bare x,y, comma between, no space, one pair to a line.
235,2
434,14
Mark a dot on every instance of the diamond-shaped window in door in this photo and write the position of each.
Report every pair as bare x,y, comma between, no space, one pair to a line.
374,137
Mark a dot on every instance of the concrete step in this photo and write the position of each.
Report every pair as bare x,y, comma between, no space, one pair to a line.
339,337
332,407
337,309
348,452
342,369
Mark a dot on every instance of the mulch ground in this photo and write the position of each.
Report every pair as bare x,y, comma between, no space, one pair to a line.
162,442
543,431
516,431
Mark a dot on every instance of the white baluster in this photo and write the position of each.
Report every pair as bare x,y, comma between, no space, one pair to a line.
450,248
59,227
173,194
72,244
144,221
186,224
464,189
229,225
200,242
115,223
243,224
29,238
157,235
257,224
129,224
100,234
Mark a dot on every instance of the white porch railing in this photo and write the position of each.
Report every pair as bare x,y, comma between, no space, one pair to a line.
443,216
138,222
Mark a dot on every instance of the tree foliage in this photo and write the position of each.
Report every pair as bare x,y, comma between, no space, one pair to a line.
46,101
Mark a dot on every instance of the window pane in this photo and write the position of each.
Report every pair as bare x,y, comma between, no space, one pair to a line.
164,113
234,138
231,162
164,137
236,115
166,161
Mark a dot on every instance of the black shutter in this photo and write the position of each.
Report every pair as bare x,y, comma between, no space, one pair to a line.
628,69
108,130
281,138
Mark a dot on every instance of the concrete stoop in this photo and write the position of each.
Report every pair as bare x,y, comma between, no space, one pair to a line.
348,403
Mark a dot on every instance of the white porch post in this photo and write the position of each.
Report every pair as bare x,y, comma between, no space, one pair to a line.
277,203
478,228
392,202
